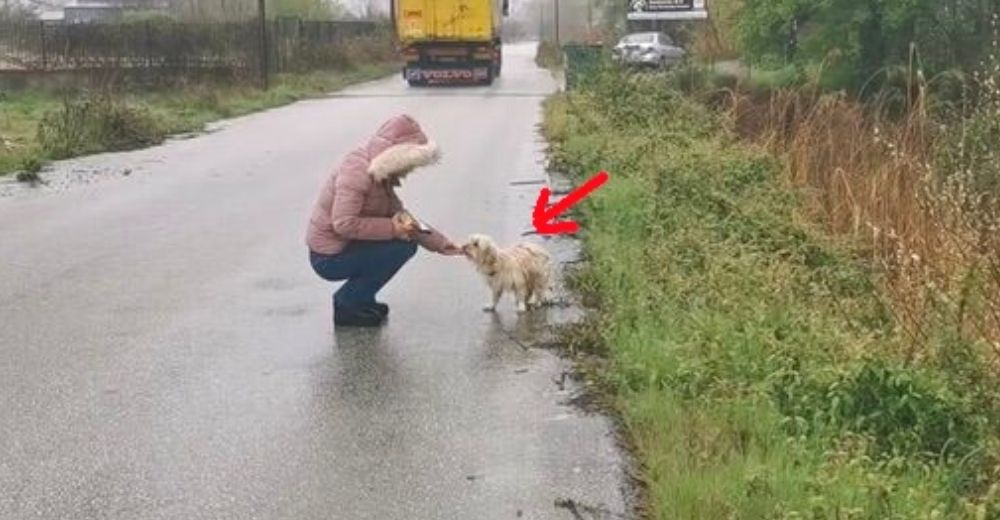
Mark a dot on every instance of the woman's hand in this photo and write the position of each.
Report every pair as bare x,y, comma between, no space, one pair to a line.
453,250
401,229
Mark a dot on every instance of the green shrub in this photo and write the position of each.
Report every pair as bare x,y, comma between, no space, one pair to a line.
904,412
96,123
548,55
31,166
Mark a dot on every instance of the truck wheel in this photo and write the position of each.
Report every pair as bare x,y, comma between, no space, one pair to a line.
489,76
498,68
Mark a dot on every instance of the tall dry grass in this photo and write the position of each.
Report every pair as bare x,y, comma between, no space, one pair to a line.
917,190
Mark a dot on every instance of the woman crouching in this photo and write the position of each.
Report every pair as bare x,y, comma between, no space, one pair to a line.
358,232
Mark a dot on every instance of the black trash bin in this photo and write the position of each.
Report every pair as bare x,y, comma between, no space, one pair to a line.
582,61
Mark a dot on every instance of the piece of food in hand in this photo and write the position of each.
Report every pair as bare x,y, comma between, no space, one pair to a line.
411,223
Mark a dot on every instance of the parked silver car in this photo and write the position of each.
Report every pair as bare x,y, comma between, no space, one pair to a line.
652,49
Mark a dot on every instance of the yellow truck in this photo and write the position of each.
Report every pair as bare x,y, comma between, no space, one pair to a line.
450,41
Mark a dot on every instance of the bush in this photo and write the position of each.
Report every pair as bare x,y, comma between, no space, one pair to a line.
30,168
903,412
97,123
548,55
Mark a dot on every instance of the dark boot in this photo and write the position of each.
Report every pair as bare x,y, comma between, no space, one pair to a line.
356,316
380,307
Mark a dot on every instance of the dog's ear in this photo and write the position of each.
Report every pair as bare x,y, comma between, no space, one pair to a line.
489,253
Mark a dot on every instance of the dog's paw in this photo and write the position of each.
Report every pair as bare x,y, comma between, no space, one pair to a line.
521,307
489,307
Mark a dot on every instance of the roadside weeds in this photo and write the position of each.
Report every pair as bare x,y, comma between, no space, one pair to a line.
36,128
752,359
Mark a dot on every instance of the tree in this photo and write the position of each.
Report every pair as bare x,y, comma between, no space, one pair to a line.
769,28
869,36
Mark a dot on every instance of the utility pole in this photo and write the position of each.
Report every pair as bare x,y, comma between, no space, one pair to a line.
541,21
262,14
590,17
555,14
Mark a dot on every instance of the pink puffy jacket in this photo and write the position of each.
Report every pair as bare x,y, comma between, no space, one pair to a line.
358,200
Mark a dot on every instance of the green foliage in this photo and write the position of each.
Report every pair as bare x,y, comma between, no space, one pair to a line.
757,368
857,39
30,168
97,122
26,176
306,9
18,115
765,27
903,412
38,126
548,55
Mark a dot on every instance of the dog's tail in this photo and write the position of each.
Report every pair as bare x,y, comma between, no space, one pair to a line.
538,252
548,269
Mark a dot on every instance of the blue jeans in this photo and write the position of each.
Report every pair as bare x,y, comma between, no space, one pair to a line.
367,267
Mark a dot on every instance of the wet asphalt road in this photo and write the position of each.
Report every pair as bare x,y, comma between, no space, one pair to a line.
166,351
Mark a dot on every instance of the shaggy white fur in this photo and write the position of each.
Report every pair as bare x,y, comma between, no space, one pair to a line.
522,268
399,160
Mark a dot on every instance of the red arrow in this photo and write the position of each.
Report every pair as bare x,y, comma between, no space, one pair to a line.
543,218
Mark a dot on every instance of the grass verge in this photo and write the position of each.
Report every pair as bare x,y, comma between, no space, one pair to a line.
756,366
35,127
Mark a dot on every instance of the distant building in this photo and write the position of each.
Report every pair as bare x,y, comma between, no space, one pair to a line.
94,11
56,16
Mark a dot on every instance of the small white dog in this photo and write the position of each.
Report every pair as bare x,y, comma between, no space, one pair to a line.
522,268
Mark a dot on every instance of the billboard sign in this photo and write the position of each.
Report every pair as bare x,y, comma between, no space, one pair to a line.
659,6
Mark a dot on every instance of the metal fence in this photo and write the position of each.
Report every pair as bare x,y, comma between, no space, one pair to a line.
583,61
296,45
237,47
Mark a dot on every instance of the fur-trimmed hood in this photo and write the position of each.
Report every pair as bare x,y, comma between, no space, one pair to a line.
398,148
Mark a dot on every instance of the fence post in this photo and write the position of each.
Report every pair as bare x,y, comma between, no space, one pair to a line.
261,14
148,41
277,45
45,60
